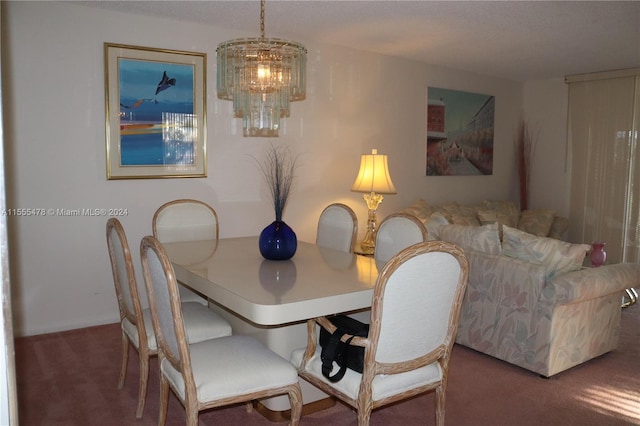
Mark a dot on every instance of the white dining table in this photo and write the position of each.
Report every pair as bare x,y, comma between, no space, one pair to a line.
272,300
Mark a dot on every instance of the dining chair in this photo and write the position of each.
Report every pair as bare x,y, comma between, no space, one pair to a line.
396,232
135,322
337,228
215,372
414,319
186,220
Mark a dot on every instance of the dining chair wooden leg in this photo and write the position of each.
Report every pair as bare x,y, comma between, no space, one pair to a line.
295,401
364,406
440,397
192,416
164,400
125,360
364,416
144,378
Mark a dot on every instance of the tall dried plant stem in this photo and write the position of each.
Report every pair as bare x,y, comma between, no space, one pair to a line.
278,169
525,148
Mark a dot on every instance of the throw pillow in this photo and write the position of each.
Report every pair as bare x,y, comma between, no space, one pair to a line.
536,222
487,217
478,238
471,209
506,209
463,215
420,208
433,224
448,209
558,227
558,257
462,219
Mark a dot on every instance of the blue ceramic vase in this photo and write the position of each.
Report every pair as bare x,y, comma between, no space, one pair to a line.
278,241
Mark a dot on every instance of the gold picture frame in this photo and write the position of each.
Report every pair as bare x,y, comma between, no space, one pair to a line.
155,109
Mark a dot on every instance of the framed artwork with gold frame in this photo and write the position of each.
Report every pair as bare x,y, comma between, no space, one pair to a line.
155,109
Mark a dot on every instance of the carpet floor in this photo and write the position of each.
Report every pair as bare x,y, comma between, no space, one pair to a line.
70,378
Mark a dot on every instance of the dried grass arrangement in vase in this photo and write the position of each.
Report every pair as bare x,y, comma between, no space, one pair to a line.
278,241
525,143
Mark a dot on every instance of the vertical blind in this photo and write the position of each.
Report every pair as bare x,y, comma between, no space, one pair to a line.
604,115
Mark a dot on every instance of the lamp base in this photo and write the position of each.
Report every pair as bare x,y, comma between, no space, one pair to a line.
366,250
368,243
358,250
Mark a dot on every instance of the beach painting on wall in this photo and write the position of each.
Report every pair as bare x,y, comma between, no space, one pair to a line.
459,133
155,113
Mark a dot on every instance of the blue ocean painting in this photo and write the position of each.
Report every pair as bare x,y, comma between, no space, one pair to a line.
157,125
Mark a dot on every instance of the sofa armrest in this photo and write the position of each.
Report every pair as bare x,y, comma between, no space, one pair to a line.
591,283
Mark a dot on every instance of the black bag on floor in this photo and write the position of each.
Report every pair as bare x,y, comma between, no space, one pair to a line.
343,353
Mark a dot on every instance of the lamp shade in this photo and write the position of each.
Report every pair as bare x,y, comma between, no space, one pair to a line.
374,175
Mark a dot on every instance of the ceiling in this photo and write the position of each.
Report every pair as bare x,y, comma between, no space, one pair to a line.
517,40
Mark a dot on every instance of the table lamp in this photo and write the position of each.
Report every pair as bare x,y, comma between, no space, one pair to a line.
373,179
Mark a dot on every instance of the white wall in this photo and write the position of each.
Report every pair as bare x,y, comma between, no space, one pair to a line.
545,109
55,149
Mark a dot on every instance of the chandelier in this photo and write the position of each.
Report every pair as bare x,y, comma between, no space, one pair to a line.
261,76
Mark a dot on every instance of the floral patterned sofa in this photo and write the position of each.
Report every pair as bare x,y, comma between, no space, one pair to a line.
530,301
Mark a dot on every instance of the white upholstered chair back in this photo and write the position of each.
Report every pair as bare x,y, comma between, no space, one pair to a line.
164,303
417,301
185,220
124,277
337,228
414,319
397,232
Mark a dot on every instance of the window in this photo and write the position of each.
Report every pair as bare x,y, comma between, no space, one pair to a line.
604,115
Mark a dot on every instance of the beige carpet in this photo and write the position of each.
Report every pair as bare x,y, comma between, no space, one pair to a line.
70,378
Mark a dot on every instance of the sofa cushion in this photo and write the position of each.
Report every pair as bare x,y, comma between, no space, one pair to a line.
536,222
558,257
483,238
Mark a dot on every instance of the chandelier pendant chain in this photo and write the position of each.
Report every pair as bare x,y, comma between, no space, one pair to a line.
262,19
